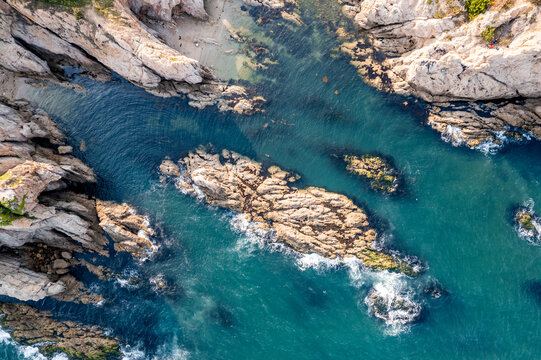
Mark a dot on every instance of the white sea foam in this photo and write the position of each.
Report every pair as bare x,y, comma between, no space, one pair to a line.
24,352
393,291
392,299
532,236
453,135
174,352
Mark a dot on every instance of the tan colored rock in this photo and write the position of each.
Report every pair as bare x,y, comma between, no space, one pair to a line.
29,326
309,220
129,230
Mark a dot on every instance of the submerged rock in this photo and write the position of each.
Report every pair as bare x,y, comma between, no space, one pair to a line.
310,220
376,170
29,326
528,225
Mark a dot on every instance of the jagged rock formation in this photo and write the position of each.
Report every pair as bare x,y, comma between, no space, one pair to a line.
130,231
309,220
29,326
44,216
38,36
528,224
437,51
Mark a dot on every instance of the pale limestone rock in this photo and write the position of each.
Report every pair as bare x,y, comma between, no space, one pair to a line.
163,9
13,56
433,53
24,284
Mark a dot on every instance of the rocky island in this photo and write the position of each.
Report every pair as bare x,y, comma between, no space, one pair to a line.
310,220
376,170
528,224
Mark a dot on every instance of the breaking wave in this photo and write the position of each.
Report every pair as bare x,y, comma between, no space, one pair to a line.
23,352
391,297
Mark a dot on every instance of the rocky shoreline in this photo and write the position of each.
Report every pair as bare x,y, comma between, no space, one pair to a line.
40,37
48,217
478,71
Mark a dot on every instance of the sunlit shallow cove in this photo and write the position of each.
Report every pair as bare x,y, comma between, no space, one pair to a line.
230,295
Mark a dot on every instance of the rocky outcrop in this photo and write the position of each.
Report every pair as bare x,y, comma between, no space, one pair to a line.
39,37
528,224
310,220
130,231
377,171
444,51
44,216
28,326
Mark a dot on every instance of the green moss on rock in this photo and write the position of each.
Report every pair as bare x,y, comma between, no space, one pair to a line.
30,326
381,175
11,210
380,261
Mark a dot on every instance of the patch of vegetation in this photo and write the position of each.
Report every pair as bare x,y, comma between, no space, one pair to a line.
439,14
488,34
11,210
78,13
476,7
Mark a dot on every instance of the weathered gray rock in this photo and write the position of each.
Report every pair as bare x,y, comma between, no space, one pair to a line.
115,38
434,53
24,284
163,9
43,217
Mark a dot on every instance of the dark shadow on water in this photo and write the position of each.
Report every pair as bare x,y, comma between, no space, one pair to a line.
222,316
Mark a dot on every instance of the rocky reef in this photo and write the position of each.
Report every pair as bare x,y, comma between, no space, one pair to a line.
379,173
28,326
528,224
476,63
40,37
310,220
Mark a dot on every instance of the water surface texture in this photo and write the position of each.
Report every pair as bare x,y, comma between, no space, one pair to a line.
231,298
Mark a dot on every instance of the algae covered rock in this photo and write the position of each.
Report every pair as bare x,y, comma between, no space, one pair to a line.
528,224
380,174
30,326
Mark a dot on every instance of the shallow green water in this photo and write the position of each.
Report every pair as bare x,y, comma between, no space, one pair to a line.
235,299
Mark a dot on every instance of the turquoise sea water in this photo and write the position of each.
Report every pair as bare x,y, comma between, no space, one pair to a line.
232,298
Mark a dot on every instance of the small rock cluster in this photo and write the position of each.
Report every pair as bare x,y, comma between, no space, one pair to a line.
376,170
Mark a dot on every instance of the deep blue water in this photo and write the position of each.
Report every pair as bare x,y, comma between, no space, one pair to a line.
230,298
